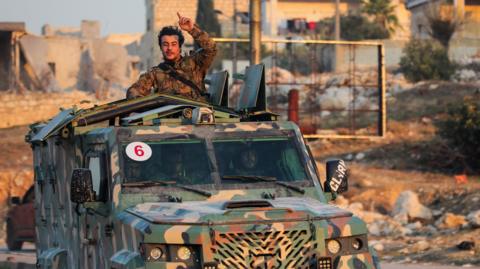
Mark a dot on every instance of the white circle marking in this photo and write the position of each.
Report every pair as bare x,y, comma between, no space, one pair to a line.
138,151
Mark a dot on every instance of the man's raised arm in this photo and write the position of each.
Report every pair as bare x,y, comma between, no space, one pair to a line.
205,57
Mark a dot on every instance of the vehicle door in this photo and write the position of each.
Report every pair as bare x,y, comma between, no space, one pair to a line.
95,219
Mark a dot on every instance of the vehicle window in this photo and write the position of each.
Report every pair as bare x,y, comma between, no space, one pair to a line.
268,157
95,168
184,162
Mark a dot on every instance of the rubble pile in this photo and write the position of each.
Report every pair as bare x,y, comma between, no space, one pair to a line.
412,230
468,70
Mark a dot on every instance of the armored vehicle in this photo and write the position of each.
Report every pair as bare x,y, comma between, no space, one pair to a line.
166,182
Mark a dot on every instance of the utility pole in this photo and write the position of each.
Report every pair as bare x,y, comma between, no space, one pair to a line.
337,49
337,19
255,31
235,35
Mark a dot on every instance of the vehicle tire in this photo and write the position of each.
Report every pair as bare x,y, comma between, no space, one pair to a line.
12,243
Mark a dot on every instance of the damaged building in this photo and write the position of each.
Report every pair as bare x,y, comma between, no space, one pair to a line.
65,59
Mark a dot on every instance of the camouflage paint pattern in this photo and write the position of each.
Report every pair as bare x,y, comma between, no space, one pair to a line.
291,232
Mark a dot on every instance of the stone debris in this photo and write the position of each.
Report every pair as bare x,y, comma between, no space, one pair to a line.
341,201
465,75
360,156
420,246
377,245
451,221
408,203
474,219
466,245
415,230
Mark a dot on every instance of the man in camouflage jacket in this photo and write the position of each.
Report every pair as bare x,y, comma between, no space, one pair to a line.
178,75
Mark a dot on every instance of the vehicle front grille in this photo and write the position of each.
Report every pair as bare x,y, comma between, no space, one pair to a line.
266,249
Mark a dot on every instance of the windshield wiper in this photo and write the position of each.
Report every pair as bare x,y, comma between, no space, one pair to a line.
249,178
199,191
169,183
264,179
148,183
290,186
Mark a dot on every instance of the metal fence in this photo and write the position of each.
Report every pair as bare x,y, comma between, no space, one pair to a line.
340,85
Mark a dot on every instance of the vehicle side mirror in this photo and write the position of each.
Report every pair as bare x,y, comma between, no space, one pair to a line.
337,177
15,200
81,187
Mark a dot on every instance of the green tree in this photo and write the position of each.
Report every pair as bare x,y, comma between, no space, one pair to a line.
207,18
383,13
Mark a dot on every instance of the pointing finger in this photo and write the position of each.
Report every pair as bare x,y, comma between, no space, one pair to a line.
179,16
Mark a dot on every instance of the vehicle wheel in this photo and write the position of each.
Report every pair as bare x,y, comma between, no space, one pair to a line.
12,244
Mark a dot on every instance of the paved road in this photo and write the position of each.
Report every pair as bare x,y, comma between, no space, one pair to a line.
26,257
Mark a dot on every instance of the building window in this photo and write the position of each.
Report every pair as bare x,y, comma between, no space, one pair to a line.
298,25
52,68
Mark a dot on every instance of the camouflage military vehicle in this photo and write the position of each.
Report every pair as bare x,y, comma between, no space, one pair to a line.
166,182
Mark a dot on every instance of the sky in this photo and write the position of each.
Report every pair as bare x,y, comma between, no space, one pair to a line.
115,16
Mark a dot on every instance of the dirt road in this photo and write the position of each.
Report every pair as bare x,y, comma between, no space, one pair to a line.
421,266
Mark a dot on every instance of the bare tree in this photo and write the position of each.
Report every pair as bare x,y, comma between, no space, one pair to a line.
442,22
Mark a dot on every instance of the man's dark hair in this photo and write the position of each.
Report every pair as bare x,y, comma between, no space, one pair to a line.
171,30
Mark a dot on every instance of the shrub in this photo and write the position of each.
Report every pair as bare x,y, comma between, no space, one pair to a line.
425,59
462,132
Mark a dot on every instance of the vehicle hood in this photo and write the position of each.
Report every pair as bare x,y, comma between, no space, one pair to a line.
238,211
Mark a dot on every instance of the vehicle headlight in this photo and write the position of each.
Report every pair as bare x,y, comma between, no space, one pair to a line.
347,245
184,253
153,252
190,255
156,253
333,246
357,243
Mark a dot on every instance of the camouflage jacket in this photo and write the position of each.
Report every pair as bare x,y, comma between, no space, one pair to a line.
192,67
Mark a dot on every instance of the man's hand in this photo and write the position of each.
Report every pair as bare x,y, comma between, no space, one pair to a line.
185,23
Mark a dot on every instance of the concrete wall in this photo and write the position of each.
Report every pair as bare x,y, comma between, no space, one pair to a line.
78,61
65,52
404,17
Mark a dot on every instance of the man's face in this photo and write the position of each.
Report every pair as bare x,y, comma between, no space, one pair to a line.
170,47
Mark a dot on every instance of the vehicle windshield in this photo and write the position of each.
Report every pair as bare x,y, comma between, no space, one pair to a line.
274,157
238,160
180,161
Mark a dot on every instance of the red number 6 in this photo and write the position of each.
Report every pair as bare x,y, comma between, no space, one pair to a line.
139,151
